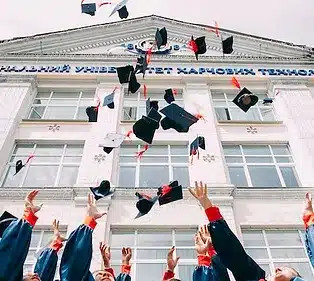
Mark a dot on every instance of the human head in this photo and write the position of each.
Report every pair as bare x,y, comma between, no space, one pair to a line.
31,277
246,99
284,273
102,275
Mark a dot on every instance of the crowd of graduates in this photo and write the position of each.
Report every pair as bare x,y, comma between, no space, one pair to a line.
217,248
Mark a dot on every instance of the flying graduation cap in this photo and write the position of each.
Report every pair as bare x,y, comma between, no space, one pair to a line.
170,193
126,74
169,95
19,164
151,104
121,9
88,9
177,118
5,220
144,204
102,190
227,45
199,142
267,100
245,99
141,65
111,141
109,100
161,37
198,46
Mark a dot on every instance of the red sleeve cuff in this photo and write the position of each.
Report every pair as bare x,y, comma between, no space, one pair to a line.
308,220
204,260
213,214
56,245
126,268
110,270
91,222
30,217
168,275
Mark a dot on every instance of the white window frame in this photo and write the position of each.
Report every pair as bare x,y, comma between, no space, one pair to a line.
151,230
76,103
276,164
230,105
270,260
59,164
138,163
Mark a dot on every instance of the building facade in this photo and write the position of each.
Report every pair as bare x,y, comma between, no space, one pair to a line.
257,165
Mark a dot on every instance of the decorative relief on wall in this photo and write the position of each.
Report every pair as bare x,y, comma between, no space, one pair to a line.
251,130
100,157
208,158
54,127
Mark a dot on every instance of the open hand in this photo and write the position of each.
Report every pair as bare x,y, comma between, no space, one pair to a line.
126,255
92,209
308,208
200,193
29,204
200,246
105,253
171,261
56,231
204,233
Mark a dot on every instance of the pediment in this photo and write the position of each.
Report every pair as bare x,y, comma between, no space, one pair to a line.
135,36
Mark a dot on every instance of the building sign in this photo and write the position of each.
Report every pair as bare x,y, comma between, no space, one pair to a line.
160,70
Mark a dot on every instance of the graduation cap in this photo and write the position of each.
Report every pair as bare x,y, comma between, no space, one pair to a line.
227,45
19,164
144,204
145,127
199,142
124,73
5,220
177,118
245,99
267,100
133,84
112,140
92,113
89,9
198,46
141,65
170,193
169,96
102,190
121,9
151,104
161,37
109,101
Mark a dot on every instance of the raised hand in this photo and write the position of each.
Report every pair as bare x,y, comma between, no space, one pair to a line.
171,261
105,253
56,231
308,208
200,246
126,255
204,233
92,209
200,193
29,204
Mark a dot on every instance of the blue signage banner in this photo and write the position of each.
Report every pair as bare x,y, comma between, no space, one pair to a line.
159,70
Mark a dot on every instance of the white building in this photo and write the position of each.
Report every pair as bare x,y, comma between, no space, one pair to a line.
47,81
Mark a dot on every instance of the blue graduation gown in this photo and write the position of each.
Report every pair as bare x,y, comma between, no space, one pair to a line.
123,277
309,243
46,265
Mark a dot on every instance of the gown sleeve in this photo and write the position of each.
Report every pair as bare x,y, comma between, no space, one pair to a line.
229,249
14,246
125,273
309,236
77,254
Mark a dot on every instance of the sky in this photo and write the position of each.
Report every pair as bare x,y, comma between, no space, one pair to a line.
286,20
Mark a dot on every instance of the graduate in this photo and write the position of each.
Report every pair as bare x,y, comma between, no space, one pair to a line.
308,219
15,241
230,250
77,255
108,273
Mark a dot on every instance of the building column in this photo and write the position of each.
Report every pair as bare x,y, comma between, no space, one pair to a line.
209,168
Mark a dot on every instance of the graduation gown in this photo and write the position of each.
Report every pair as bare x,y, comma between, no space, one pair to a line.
14,246
309,236
124,275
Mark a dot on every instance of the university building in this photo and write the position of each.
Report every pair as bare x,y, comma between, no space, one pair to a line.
257,165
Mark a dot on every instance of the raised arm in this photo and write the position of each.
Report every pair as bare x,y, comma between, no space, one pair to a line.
126,266
226,244
308,219
171,265
15,241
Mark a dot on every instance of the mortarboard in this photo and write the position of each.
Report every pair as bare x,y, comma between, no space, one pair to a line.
92,113
89,9
170,193
5,220
109,101
102,190
151,104
198,46
19,164
267,100
133,84
124,73
245,99
177,118
121,9
111,141
144,204
199,142
161,37
227,45
169,96
141,65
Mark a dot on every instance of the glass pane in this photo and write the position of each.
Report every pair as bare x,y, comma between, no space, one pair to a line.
40,176
218,96
238,114
157,150
81,114
153,176
179,149
86,102
88,95
253,238
47,149
181,174
22,149
185,238
289,176
37,112
126,176
259,159
68,176
129,150
303,269
28,267
265,267
44,94
222,104
230,159
72,95
257,253
160,254
11,180
186,253
151,272
121,238
288,253
180,159
40,101
264,176
72,159
256,149
154,238
62,112
46,159
128,159
186,272
283,238
35,239
74,149
69,102
231,149
47,238
129,113
280,149
267,114
284,159
116,254
237,176
154,159
222,113
31,256
141,111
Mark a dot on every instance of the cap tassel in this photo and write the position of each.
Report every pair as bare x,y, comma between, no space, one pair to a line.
175,92
29,158
128,134
145,92
104,3
139,155
149,55
199,116
215,30
98,104
277,93
192,46
235,82
165,189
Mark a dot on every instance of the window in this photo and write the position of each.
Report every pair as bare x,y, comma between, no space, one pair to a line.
53,165
150,248
61,104
260,165
40,240
160,165
226,110
134,106
277,247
